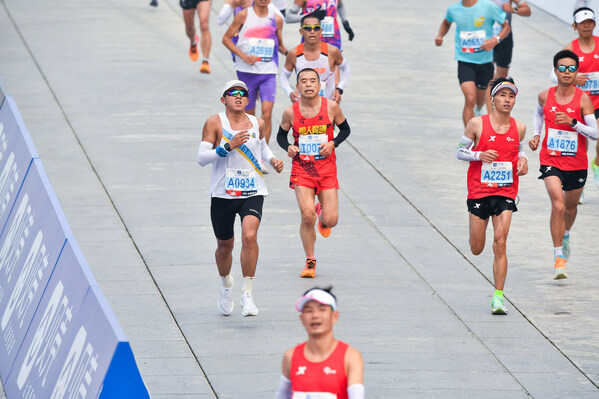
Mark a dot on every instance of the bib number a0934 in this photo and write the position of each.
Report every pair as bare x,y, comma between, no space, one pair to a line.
470,41
496,174
262,49
240,182
309,146
562,143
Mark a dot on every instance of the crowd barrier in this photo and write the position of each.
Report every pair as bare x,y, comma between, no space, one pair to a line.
59,337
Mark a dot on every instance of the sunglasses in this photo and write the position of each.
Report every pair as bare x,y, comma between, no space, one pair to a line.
235,92
571,68
311,28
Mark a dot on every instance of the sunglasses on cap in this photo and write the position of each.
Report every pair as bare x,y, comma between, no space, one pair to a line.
235,92
311,28
570,68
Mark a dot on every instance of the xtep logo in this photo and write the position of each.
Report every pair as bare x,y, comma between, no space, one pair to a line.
301,370
492,138
553,109
581,59
476,205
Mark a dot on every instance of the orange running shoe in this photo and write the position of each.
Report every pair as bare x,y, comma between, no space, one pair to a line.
193,50
205,68
310,269
559,270
322,229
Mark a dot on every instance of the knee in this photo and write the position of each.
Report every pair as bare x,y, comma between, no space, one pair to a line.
476,247
204,26
499,244
266,114
224,247
470,99
558,207
249,238
330,219
309,217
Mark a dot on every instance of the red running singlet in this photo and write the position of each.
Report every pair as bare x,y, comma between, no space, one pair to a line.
497,177
588,63
563,147
324,377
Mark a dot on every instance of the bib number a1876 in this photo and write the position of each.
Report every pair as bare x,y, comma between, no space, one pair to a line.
562,143
240,182
496,174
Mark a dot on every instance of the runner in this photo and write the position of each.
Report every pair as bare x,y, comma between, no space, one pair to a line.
233,142
493,144
318,55
330,27
202,7
256,55
587,49
563,153
474,48
323,366
314,168
234,6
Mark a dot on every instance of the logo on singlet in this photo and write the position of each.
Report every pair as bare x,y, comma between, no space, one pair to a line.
553,109
509,139
327,370
594,56
581,59
570,110
301,370
478,22
492,138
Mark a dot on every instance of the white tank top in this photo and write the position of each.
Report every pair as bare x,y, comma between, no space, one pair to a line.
258,37
238,176
320,65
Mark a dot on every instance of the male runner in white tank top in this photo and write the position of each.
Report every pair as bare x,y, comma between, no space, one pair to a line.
233,142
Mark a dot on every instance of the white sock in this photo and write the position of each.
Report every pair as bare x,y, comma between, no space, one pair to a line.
227,281
566,233
557,251
247,284
205,59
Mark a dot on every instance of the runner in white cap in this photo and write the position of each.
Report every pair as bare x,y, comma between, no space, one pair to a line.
323,366
233,142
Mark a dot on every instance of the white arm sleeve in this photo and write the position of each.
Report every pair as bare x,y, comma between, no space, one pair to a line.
224,14
553,77
538,119
590,129
344,72
293,14
341,12
521,152
284,80
206,154
356,391
464,153
265,151
284,389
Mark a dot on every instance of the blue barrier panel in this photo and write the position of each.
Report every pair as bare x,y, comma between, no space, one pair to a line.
30,245
16,152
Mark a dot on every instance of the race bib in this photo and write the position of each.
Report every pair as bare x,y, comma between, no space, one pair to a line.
313,395
472,40
323,89
592,85
328,27
496,174
309,145
497,29
240,182
562,143
262,49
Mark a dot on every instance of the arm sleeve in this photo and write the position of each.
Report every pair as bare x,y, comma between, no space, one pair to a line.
356,391
282,138
341,12
344,72
206,154
224,14
538,119
590,129
553,77
284,389
344,131
521,152
293,14
265,151
464,151
284,80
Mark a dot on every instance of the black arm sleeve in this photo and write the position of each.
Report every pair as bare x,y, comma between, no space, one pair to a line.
344,131
282,138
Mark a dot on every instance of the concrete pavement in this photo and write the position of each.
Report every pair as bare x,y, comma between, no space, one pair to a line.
115,109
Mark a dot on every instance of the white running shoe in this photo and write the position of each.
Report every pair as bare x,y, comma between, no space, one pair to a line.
247,305
225,301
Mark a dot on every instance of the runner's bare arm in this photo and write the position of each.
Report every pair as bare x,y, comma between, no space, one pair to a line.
282,48
443,29
284,389
233,29
489,44
354,369
286,74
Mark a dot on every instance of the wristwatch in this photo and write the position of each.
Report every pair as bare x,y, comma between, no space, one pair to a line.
498,39
574,123
227,147
340,90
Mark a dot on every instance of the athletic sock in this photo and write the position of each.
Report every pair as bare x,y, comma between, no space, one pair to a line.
567,234
499,293
557,251
247,284
227,280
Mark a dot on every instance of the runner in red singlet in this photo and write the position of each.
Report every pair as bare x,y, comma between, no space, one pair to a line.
493,145
322,367
563,153
314,167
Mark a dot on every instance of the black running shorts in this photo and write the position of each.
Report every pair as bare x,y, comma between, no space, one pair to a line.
502,53
189,4
223,211
571,179
491,205
480,74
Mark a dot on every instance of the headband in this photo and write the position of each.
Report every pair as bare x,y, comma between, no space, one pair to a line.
504,85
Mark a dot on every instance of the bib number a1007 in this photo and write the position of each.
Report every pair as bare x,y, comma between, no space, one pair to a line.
262,49
309,146
562,143
240,182
496,174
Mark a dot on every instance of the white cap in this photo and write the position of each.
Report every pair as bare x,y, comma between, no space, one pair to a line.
583,15
318,295
234,83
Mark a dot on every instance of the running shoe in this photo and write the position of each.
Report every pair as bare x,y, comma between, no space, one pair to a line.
479,111
595,172
559,270
566,247
193,50
497,306
205,67
225,303
310,269
248,308
581,199
322,229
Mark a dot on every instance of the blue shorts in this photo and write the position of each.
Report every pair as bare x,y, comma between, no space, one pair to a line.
265,84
